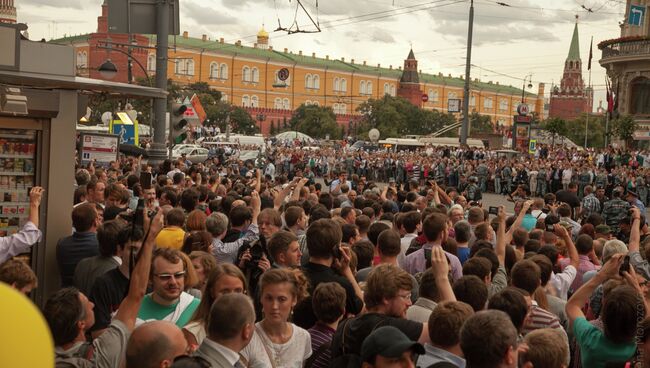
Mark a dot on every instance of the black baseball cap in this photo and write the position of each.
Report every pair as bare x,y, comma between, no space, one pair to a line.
388,342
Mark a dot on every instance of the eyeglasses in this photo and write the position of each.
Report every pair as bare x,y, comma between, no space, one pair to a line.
405,297
168,276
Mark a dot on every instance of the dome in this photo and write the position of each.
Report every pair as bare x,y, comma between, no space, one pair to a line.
262,33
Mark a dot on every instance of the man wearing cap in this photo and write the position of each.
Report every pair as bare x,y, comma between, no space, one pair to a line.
615,209
389,347
603,232
633,200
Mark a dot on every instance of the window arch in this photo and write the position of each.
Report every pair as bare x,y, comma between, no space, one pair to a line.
487,104
246,74
255,102
316,103
224,97
386,89
214,70
392,90
337,84
177,67
277,103
308,81
368,87
344,84
451,95
640,96
472,101
190,67
223,71
362,87
255,75
245,101
308,103
82,59
316,81
503,105
286,104
151,62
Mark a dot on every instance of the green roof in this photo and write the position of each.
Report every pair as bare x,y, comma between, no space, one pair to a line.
290,58
574,50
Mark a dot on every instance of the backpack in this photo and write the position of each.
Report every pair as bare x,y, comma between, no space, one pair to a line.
348,359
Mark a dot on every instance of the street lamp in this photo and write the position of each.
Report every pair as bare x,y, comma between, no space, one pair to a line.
529,77
107,70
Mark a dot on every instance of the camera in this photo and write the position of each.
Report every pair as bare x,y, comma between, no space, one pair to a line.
625,266
493,210
256,250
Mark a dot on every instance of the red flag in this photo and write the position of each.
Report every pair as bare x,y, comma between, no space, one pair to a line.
610,99
591,53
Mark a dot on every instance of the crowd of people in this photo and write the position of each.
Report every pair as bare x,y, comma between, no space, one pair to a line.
335,258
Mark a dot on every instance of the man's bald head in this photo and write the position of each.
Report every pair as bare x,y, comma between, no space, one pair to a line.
154,343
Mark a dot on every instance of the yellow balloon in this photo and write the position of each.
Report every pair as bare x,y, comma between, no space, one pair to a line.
26,340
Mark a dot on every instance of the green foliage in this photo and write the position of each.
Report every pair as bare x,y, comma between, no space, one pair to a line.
624,127
595,131
242,122
315,121
480,123
555,126
396,117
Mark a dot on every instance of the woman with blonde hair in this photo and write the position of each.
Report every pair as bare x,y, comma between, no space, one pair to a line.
203,263
223,279
278,342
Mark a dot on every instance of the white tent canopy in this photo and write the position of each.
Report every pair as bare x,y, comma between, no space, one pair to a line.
292,135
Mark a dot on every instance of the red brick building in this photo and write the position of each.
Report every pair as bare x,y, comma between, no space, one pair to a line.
571,99
409,83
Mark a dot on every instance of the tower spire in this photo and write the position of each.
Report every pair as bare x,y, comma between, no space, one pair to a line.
574,50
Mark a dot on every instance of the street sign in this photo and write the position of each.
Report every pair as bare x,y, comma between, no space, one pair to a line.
523,119
139,17
425,98
453,105
532,146
127,133
283,74
523,109
103,148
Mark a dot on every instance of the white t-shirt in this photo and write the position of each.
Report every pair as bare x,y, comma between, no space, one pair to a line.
291,354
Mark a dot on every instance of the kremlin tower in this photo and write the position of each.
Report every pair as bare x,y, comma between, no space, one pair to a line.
409,83
7,11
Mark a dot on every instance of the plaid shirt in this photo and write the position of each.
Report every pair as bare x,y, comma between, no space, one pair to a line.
590,205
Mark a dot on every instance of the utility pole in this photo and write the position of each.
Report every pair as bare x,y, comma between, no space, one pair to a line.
158,152
468,64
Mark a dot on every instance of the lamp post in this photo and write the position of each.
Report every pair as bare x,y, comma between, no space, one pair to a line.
108,69
528,78
464,130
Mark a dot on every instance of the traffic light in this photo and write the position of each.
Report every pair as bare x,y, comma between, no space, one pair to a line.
178,123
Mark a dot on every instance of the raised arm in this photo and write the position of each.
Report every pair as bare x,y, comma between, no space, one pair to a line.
502,240
256,204
520,217
561,232
635,236
279,199
579,298
440,267
296,192
130,306
35,197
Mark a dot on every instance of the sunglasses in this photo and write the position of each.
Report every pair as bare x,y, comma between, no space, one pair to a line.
168,276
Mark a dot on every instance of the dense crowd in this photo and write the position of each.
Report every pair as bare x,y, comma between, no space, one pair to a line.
341,258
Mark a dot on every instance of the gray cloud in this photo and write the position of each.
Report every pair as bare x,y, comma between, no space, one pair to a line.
205,15
73,4
381,35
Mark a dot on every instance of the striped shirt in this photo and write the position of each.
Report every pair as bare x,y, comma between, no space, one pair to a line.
320,335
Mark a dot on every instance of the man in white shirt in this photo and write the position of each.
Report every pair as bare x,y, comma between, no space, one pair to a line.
410,224
230,329
28,235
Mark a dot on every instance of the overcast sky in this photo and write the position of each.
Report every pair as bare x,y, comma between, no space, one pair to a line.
509,42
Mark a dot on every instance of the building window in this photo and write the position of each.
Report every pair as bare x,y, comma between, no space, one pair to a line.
451,95
392,90
316,82
255,101
286,104
362,88
224,97
246,74
337,84
369,88
82,60
472,101
178,67
640,96
433,96
245,101
190,67
255,75
214,70
487,104
503,105
151,62
344,85
316,103
339,108
309,81
223,71
307,103
386,89
277,103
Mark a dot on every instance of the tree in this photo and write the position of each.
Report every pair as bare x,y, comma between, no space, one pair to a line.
315,121
624,127
481,123
555,126
595,132
242,122
272,130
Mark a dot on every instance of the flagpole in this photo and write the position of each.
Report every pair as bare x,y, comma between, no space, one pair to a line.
589,84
